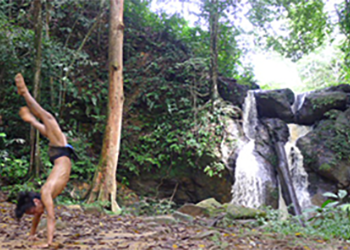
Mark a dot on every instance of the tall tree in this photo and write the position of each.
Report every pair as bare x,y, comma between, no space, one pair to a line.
104,184
215,12
34,134
213,29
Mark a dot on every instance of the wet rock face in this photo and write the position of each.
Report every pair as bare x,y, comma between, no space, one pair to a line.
268,131
263,145
326,149
277,128
316,104
275,104
310,108
232,91
319,185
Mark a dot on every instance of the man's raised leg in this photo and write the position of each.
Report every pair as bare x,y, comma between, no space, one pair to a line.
53,131
26,116
22,90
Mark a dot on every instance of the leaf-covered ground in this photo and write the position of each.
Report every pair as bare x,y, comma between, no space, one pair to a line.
85,229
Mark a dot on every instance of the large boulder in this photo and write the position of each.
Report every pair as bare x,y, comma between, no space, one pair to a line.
213,209
314,105
326,149
238,212
234,92
275,104
318,185
342,88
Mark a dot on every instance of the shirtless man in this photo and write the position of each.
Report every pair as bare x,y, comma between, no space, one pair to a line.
60,155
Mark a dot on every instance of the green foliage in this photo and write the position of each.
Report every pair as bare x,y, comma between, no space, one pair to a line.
343,10
340,142
328,221
168,124
181,145
12,168
13,190
303,25
320,69
215,168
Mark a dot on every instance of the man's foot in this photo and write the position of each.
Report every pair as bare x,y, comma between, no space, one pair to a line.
33,238
44,245
21,86
25,114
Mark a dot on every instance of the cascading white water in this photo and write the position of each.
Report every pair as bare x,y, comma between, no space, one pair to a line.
250,175
250,115
299,101
295,163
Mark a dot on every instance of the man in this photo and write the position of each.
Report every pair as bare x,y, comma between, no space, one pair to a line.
60,155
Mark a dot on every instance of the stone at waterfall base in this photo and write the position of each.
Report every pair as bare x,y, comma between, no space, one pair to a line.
239,212
212,208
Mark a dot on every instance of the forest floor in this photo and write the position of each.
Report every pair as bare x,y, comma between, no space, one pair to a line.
84,229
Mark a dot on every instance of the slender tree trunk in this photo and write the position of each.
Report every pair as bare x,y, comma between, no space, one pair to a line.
48,8
105,185
34,134
214,26
48,18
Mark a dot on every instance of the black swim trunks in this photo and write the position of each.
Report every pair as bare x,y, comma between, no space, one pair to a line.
57,152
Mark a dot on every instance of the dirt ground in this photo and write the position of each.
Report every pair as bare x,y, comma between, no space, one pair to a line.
78,229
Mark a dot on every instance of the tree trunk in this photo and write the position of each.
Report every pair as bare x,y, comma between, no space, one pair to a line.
34,134
104,184
213,28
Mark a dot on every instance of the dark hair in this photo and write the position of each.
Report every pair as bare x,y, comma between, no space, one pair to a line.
24,202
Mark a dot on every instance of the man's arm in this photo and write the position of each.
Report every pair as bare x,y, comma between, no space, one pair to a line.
35,223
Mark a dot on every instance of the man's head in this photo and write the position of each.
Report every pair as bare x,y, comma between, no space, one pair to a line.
29,203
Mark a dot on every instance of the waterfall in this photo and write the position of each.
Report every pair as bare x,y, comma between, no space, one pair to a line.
253,180
250,115
299,101
295,163
249,187
251,177
295,158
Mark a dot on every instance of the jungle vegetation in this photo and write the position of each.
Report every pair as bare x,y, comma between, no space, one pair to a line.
170,66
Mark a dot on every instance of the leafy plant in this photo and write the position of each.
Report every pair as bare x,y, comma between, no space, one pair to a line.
12,169
327,221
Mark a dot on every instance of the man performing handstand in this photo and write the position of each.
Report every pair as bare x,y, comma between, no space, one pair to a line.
60,155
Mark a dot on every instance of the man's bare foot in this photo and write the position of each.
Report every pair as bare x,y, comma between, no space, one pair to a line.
21,86
33,238
44,245
26,115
